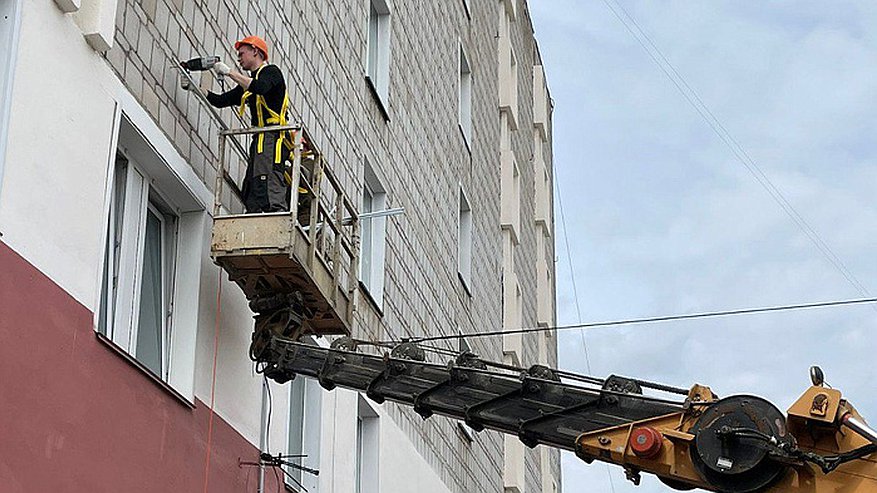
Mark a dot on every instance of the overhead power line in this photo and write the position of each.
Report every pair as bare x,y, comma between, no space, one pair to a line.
663,318
575,291
572,274
728,139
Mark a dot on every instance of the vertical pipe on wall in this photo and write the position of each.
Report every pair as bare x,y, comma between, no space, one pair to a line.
263,433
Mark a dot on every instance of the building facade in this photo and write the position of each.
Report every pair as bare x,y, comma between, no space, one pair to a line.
125,363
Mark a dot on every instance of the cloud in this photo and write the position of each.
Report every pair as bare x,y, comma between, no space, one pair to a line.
666,220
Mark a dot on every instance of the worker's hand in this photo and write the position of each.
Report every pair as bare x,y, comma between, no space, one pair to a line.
221,68
185,84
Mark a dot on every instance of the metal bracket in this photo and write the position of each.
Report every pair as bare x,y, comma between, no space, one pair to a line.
409,351
345,343
633,475
469,359
420,407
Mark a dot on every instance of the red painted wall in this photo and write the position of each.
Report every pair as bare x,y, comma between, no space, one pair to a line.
77,417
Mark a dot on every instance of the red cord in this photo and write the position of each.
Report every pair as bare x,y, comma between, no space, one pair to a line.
213,380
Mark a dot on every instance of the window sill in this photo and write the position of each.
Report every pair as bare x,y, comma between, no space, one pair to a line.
466,9
466,434
513,232
549,328
465,139
363,289
112,346
465,283
377,98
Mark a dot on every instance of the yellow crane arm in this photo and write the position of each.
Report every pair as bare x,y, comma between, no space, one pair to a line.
737,444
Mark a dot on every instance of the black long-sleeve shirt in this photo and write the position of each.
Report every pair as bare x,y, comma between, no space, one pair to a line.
269,83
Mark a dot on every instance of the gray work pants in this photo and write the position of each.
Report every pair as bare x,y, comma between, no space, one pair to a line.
265,189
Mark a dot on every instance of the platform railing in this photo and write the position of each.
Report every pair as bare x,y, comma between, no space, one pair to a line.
320,212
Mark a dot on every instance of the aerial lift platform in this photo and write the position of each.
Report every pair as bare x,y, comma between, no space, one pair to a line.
298,269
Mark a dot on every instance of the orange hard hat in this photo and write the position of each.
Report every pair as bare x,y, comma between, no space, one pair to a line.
255,42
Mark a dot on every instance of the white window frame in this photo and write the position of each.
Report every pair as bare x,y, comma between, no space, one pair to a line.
154,169
167,259
10,16
373,236
110,267
464,116
377,49
126,276
465,226
366,474
305,399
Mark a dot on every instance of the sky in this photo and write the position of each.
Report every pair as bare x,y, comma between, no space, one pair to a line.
661,217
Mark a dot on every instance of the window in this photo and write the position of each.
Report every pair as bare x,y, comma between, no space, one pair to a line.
541,103
464,242
377,64
513,83
9,25
465,115
510,192
152,257
367,448
542,185
372,240
139,255
303,443
508,71
513,312
152,328
544,282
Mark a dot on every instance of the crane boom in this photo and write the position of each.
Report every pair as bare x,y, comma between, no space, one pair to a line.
736,444
536,406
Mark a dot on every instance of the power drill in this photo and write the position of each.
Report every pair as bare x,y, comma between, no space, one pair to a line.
199,64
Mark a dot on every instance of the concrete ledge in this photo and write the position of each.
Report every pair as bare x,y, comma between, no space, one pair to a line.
68,6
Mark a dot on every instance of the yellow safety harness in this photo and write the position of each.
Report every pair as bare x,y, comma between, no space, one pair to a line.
285,140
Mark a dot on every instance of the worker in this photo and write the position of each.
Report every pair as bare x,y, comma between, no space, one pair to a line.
265,189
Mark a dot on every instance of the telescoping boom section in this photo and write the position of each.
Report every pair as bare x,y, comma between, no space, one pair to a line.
688,438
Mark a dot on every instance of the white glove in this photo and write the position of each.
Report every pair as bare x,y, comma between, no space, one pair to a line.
221,68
